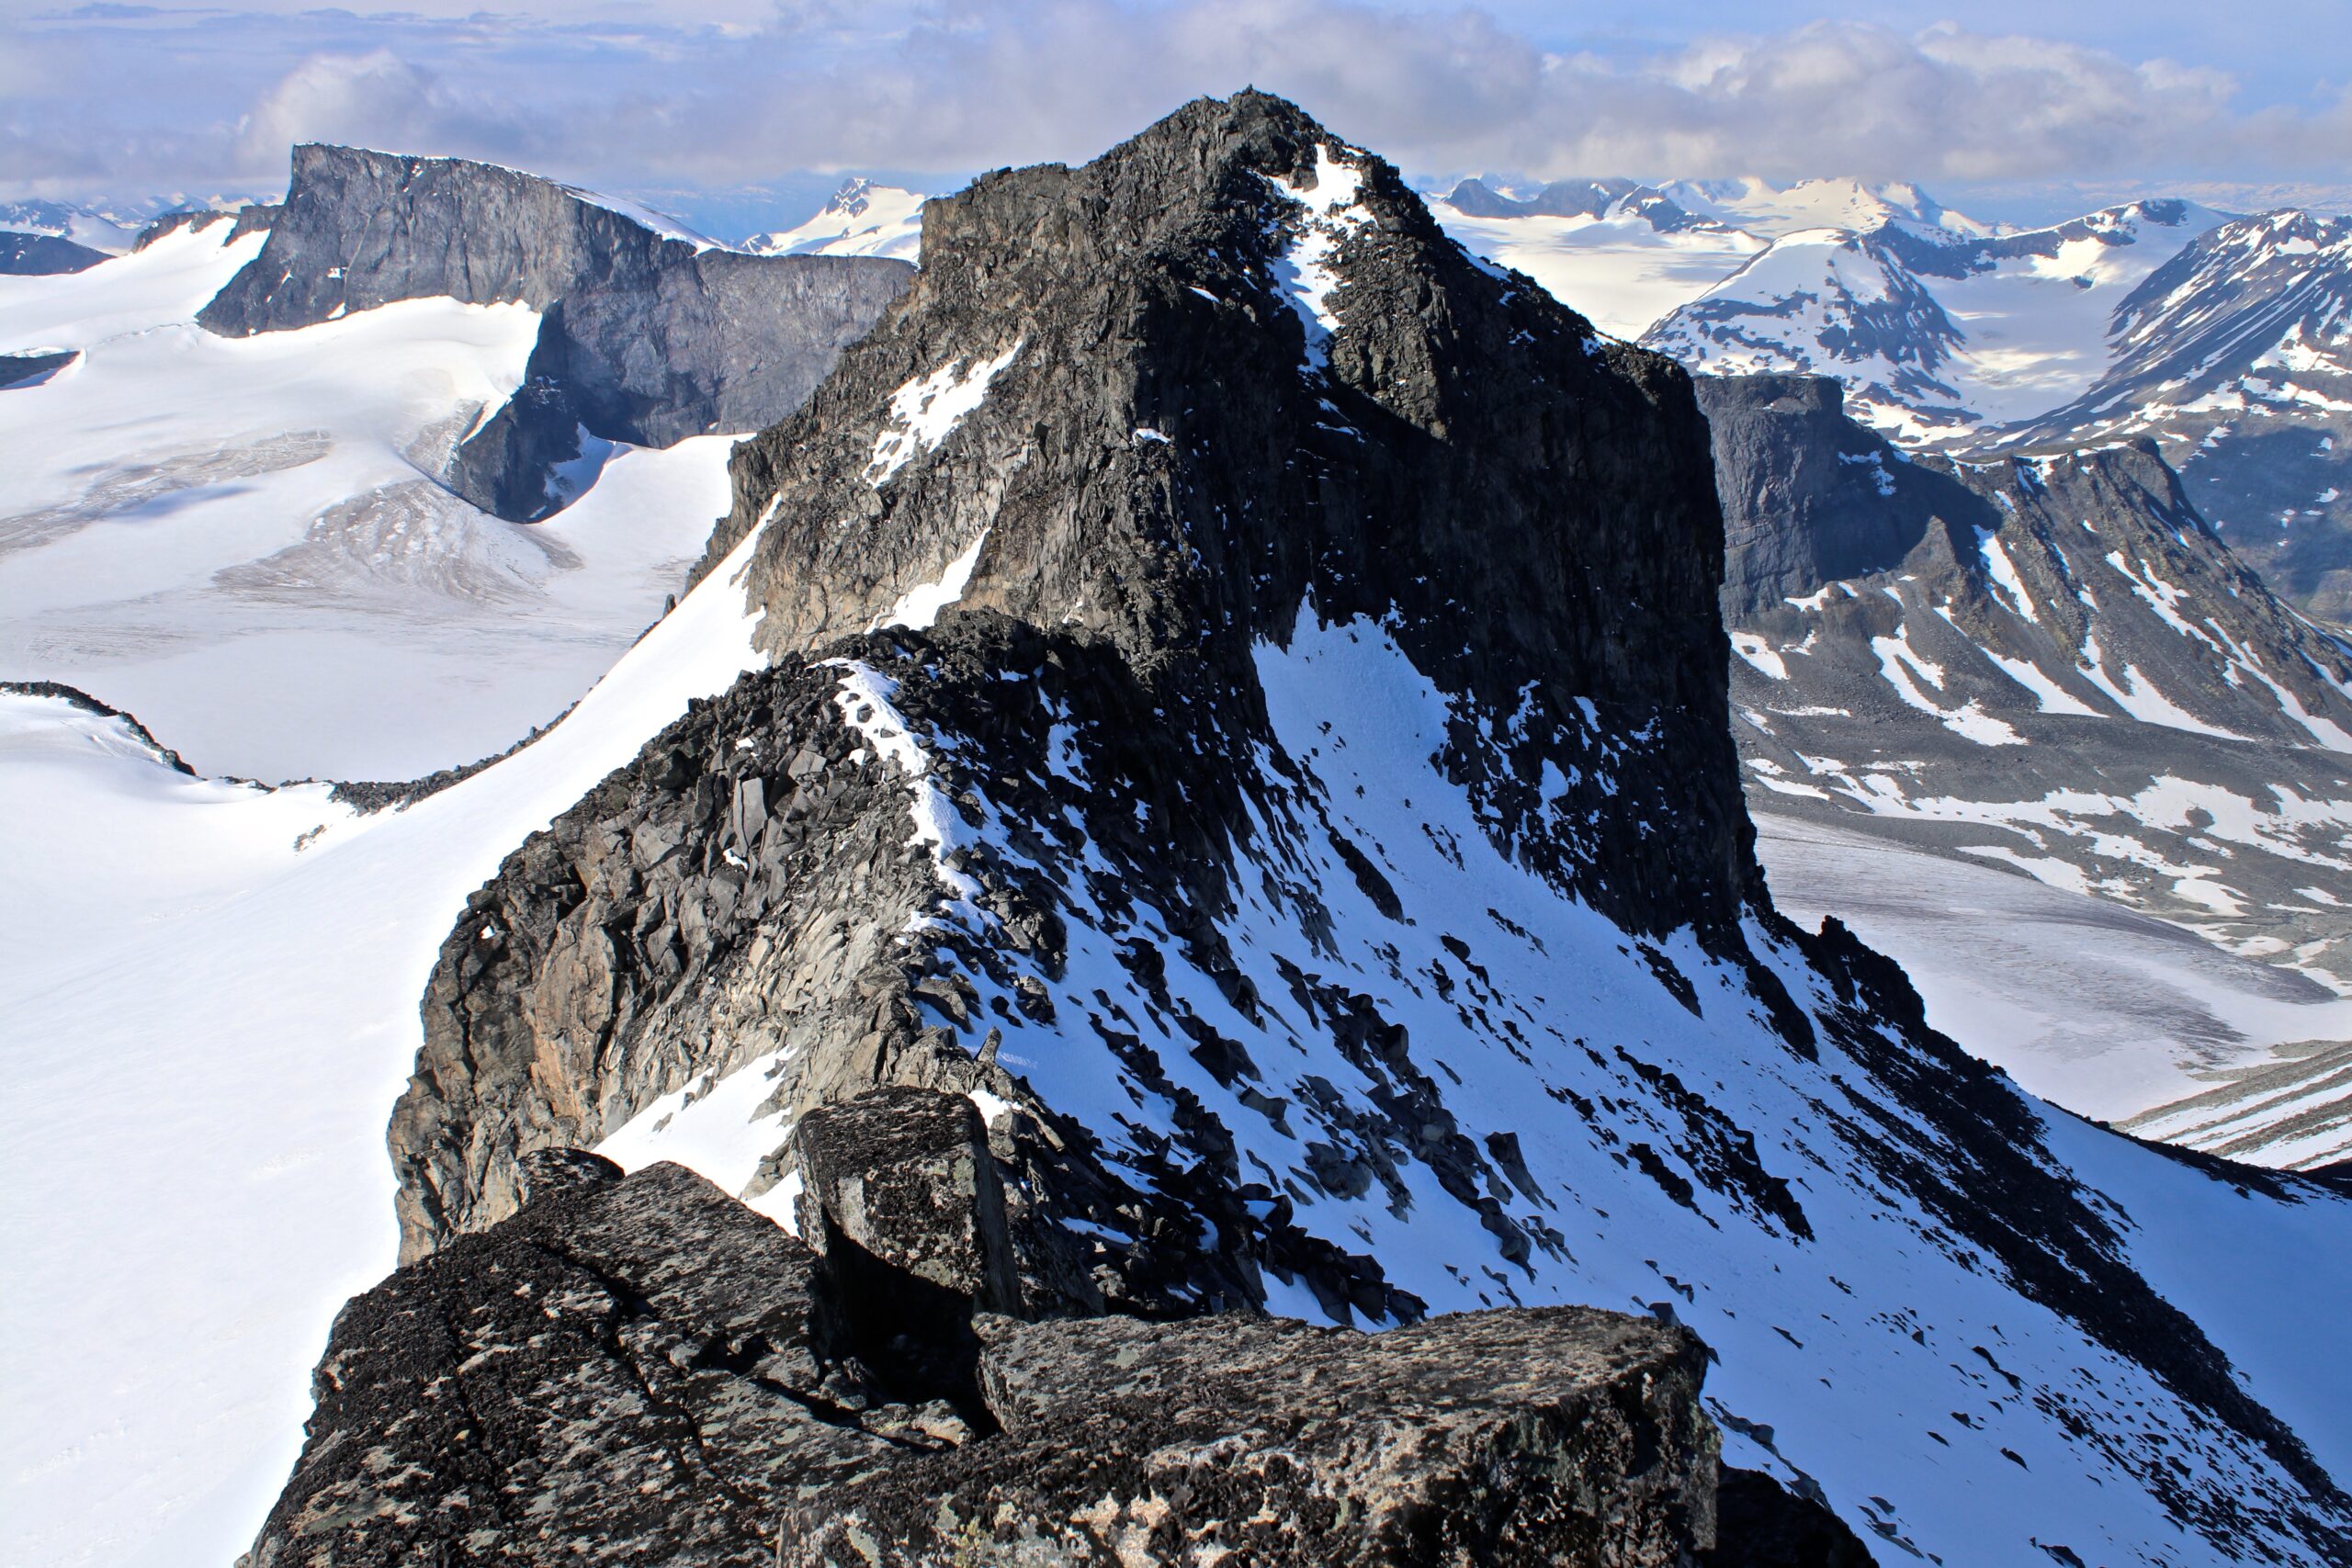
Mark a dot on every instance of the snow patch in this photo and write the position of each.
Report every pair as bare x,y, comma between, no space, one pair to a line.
926,411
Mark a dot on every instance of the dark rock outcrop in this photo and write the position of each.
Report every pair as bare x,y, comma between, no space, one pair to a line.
1805,494
30,369
716,902
651,338
253,218
645,1370
1176,454
1316,826
1391,473
74,696
37,255
899,1183
531,458
1559,1436
1761,1523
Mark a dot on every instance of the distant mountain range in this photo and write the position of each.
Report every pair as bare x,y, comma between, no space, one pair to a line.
2223,338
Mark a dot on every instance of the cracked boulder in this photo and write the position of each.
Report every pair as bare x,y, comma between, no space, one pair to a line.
630,1370
642,1370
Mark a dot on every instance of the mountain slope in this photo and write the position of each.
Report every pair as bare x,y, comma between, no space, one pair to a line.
2051,664
647,334
2237,356
1934,332
211,999
1313,841
35,255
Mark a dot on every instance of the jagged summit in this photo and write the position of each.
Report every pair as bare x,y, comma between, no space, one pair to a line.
1233,367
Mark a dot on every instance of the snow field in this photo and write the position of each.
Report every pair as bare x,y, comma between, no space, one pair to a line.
1879,1350
201,1049
240,541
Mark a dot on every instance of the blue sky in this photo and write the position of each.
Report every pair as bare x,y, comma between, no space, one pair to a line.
743,112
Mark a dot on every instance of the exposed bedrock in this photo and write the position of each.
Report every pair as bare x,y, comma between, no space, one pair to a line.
2052,661
645,1370
652,338
1312,842
42,256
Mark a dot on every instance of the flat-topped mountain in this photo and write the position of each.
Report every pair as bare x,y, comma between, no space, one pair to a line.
648,334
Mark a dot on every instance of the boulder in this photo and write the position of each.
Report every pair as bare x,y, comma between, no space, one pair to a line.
642,1370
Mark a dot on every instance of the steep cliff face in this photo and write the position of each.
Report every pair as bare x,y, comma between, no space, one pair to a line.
1247,709
1232,369
2053,663
650,336
2011,633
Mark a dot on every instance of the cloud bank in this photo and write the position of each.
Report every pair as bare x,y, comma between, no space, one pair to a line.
119,97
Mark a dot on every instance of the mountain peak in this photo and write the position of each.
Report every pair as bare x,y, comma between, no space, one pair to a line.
1231,368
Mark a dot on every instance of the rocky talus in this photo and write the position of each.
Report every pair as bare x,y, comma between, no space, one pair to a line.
644,338
1247,711
644,1371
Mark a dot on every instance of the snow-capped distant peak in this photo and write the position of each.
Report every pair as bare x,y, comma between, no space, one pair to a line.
1762,208
861,219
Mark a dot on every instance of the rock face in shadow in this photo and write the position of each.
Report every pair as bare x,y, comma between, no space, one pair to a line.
1997,636
1760,1524
37,255
1169,450
31,370
652,338
642,1370
1803,497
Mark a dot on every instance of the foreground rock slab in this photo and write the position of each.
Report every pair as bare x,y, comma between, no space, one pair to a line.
1561,1435
641,1370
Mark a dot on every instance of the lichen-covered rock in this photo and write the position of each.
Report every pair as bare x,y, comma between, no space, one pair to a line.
1559,1436
642,1370
902,1178
627,1371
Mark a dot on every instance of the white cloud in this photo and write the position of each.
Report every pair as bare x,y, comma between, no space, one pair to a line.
950,86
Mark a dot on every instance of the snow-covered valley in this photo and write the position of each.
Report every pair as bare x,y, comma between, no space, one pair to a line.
243,541
211,1003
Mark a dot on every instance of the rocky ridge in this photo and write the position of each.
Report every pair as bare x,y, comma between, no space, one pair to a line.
37,255
2234,358
2055,658
645,336
1312,842
644,1370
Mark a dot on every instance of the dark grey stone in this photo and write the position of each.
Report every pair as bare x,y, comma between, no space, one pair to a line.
34,255
31,370
642,1370
651,339
1835,541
